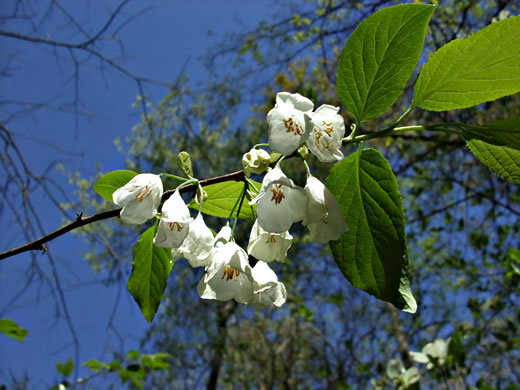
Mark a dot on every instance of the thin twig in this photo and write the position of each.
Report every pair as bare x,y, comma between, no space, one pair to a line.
81,221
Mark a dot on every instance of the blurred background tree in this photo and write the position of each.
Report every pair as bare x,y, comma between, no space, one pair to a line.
462,226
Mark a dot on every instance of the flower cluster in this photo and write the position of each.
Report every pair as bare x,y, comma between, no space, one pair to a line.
279,204
292,123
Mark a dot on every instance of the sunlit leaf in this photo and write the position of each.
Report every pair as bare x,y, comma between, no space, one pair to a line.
497,145
372,253
11,329
109,183
379,58
222,197
150,271
479,68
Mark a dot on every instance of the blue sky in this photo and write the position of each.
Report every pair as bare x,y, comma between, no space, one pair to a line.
157,44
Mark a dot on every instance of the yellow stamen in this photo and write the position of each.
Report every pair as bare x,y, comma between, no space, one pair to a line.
278,194
171,226
229,272
292,126
270,239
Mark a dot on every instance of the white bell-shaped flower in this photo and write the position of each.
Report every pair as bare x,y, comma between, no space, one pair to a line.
280,202
228,276
174,224
438,350
140,198
198,244
287,130
323,216
328,129
267,246
267,290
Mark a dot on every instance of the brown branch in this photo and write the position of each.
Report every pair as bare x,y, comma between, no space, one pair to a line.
81,221
401,338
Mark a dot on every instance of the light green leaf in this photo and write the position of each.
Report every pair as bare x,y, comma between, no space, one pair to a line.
109,183
479,68
150,271
379,58
372,252
93,364
222,197
497,145
11,329
132,354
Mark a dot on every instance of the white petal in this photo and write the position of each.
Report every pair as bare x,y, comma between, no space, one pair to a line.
327,129
263,277
174,209
198,244
296,100
323,217
139,198
228,276
287,127
223,236
419,357
276,295
174,224
267,246
280,203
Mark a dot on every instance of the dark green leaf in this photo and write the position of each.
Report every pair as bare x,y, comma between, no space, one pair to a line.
379,58
456,348
372,253
150,271
221,199
11,329
497,145
109,183
479,68
65,369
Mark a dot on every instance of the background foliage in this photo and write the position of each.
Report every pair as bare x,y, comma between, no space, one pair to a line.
462,225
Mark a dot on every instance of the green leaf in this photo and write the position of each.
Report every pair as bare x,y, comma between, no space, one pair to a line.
150,271
497,145
107,184
156,361
93,364
221,199
456,348
372,252
65,369
11,329
379,58
132,354
479,68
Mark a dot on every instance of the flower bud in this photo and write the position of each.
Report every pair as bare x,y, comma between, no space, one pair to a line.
255,161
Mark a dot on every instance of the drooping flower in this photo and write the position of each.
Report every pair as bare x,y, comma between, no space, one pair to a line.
267,289
323,216
228,276
198,244
280,202
436,351
140,198
328,129
267,246
174,224
255,161
287,129
396,371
